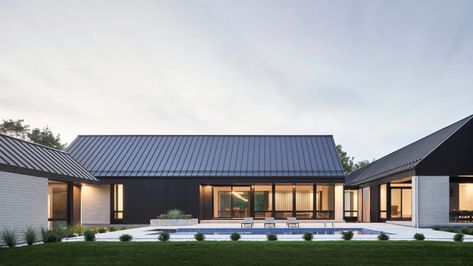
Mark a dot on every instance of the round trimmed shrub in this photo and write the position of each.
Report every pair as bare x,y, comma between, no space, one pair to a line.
126,237
383,236
199,237
308,236
89,235
164,236
235,236
458,237
347,235
419,236
272,237
102,230
436,227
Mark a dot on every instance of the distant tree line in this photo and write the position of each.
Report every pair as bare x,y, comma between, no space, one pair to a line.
348,163
44,136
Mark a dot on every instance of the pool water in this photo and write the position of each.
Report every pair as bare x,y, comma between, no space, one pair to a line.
277,231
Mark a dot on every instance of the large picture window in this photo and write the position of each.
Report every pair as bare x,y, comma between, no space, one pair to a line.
284,200
401,205
263,201
305,201
325,202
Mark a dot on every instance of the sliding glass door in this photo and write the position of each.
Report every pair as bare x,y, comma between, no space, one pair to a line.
401,203
231,201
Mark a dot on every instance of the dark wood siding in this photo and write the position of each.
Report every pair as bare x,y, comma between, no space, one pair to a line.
145,199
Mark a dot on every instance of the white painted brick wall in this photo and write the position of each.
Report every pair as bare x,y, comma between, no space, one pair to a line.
23,203
339,202
95,204
431,200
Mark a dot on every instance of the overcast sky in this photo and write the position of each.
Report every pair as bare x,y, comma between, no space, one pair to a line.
375,74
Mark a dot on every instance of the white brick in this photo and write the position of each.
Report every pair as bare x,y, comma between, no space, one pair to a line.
23,203
430,200
95,204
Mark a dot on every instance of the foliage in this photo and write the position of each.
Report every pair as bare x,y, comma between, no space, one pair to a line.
419,236
272,237
126,237
89,235
15,128
383,236
450,230
175,214
50,236
347,235
164,236
9,237
235,236
308,236
458,237
45,136
348,162
464,230
199,237
436,227
30,236
102,230
112,229
78,229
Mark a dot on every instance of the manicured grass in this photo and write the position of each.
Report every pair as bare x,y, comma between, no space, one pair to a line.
241,253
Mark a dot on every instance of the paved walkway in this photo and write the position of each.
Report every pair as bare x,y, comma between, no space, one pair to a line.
396,232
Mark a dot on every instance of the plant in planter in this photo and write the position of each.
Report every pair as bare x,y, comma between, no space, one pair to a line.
89,235
9,237
383,236
125,238
458,237
175,214
418,236
30,236
164,236
272,237
235,236
308,236
199,237
347,235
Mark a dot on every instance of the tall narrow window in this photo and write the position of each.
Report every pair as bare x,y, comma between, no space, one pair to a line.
304,201
382,201
118,201
263,201
325,201
284,201
351,204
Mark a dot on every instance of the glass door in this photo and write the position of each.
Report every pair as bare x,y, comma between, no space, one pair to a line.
401,203
241,202
231,201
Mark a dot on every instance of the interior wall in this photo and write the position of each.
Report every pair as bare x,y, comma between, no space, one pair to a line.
95,204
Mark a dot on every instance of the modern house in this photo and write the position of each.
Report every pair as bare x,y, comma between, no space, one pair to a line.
210,177
429,182
39,186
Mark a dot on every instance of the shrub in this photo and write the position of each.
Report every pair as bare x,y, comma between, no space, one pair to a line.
49,236
102,230
458,237
199,237
125,238
436,227
122,228
89,235
9,237
308,236
464,230
272,237
347,235
235,236
112,229
175,214
451,230
164,236
78,229
30,236
418,236
383,236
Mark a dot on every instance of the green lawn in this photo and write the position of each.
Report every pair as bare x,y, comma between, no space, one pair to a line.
241,253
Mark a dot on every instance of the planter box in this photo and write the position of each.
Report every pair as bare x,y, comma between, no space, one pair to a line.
173,222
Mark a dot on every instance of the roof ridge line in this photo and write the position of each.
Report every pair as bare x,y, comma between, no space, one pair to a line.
203,135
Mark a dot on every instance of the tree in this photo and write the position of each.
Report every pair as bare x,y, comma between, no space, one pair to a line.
15,128
348,162
46,137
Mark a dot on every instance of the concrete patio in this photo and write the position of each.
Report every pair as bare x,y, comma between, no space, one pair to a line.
396,232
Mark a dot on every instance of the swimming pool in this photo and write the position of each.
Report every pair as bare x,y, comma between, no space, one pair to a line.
277,231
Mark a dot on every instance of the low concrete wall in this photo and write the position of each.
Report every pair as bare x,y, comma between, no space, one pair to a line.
173,222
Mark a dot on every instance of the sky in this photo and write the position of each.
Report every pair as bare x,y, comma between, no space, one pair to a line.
377,75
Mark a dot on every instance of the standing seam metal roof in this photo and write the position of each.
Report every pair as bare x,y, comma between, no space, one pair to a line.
19,156
207,155
406,158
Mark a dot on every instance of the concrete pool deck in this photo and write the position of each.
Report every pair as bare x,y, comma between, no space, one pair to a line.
396,232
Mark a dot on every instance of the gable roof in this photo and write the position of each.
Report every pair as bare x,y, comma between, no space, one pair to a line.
23,157
406,158
207,155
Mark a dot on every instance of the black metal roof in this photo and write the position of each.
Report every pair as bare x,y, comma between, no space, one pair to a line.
207,155
23,157
406,158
